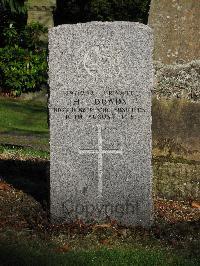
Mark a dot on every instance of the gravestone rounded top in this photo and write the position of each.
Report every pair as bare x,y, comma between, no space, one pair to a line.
101,23
99,52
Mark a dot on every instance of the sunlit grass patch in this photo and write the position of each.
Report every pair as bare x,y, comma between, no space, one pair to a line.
22,153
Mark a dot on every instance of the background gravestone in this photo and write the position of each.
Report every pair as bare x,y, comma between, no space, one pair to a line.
100,122
41,11
175,24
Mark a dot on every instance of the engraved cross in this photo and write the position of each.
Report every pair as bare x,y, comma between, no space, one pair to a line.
100,153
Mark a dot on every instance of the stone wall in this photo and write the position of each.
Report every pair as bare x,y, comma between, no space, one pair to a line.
176,180
176,30
176,148
180,81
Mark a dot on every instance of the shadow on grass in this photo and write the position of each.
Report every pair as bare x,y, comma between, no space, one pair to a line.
24,132
33,254
32,177
26,107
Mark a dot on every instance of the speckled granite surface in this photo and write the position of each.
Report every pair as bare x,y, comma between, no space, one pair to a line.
101,76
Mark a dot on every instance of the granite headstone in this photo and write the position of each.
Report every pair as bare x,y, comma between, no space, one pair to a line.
100,77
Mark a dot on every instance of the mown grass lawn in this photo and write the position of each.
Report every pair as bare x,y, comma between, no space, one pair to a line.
20,248
31,254
23,124
20,116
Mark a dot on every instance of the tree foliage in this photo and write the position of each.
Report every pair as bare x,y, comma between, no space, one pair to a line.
73,11
15,6
11,12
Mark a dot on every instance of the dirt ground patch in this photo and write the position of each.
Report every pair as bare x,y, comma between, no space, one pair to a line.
174,221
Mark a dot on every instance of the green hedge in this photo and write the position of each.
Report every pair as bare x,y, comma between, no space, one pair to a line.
22,70
23,59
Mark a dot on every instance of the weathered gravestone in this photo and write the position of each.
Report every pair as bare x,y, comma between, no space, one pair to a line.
41,11
100,122
175,25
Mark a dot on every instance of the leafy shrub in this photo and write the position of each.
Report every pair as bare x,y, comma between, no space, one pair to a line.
22,70
23,61
10,35
27,37
30,37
